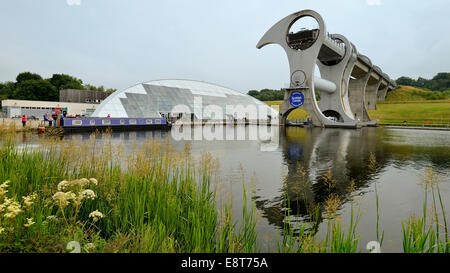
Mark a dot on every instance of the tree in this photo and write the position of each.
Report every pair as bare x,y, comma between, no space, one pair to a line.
421,82
253,93
405,81
25,76
36,90
267,94
440,82
90,87
7,89
31,86
63,81
100,88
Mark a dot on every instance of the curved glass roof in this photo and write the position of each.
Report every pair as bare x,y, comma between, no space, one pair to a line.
151,99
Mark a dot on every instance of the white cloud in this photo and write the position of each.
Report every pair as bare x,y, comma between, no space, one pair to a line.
373,2
73,2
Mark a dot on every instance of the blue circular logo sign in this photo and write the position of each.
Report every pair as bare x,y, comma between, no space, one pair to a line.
297,99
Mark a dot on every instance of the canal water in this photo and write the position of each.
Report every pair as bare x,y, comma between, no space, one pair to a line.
286,173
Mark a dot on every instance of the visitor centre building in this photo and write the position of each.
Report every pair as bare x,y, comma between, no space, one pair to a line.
186,100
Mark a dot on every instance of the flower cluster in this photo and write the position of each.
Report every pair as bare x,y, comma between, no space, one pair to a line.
90,246
88,194
52,217
78,183
3,187
62,199
29,222
29,200
96,215
76,193
10,208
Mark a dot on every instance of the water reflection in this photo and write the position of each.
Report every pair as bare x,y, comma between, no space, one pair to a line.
118,136
339,162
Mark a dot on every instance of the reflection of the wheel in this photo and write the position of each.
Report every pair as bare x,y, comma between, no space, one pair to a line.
320,163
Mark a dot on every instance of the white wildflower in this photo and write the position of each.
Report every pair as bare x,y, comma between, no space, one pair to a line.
78,183
28,200
7,201
70,196
13,209
60,199
29,222
51,217
90,246
96,215
5,204
3,187
1,230
88,194
63,185
83,182
93,181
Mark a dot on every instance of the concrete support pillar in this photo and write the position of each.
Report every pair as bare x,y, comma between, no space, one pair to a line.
337,101
356,90
382,94
309,105
371,95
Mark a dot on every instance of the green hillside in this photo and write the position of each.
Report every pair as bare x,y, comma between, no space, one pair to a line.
410,93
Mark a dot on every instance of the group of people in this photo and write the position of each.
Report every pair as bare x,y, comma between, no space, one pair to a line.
50,118
47,119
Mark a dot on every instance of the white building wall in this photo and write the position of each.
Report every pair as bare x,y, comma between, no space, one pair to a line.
39,108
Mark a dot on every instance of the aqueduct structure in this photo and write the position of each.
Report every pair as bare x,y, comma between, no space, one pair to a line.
349,84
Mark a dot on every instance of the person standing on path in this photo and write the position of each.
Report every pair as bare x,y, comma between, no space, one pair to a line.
24,120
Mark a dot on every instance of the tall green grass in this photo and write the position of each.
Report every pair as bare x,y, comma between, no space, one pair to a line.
160,201
428,233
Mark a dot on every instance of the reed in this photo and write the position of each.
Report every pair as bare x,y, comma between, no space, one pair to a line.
157,201
423,234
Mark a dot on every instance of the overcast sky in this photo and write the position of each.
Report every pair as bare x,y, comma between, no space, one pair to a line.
119,43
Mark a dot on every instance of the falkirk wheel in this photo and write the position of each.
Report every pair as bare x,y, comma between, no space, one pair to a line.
349,84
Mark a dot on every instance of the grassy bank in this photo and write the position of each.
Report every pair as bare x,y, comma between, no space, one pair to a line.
418,107
414,113
414,94
159,201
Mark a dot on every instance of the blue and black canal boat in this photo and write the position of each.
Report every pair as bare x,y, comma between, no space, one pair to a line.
115,124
